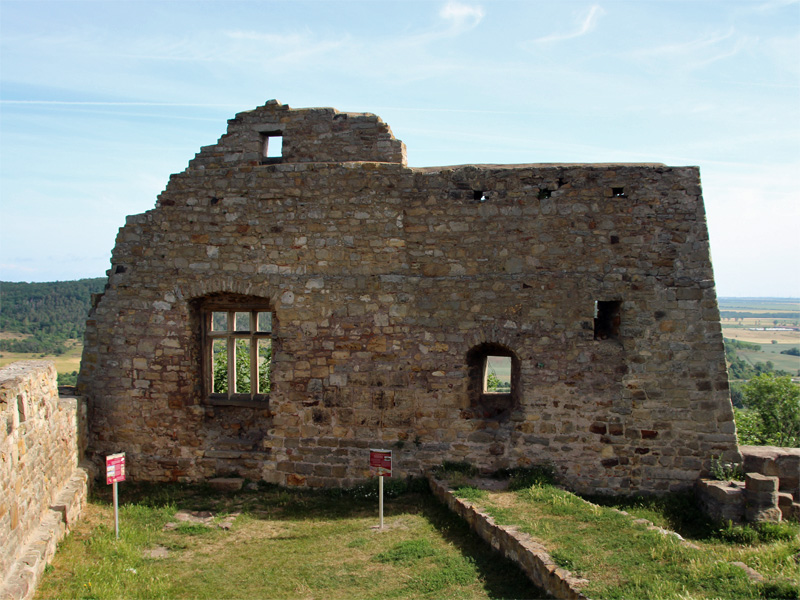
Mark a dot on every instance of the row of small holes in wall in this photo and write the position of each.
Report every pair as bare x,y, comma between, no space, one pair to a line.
544,193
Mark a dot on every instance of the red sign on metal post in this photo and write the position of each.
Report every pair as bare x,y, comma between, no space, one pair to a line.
380,461
115,468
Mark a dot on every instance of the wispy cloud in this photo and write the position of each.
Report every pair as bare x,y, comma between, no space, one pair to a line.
696,53
587,21
462,17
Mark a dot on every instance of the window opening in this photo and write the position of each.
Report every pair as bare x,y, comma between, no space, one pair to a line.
239,352
544,194
606,319
494,381
272,146
618,192
497,375
479,195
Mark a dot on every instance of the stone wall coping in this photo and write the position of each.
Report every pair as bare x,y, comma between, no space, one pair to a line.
435,169
770,452
530,555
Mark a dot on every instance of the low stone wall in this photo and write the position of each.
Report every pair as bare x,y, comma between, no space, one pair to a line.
515,545
783,463
42,488
770,492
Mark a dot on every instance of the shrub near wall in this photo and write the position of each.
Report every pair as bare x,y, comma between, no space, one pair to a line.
39,452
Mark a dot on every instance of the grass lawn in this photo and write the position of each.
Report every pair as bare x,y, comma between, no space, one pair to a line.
623,559
284,544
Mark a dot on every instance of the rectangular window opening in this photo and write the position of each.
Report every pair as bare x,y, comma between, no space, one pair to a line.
264,322
242,321
219,321
607,319
219,374
618,192
238,351
497,375
264,365
243,362
272,146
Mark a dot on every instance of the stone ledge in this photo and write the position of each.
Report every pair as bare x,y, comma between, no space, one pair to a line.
515,545
24,576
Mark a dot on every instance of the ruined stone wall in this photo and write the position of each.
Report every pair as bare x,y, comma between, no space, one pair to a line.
40,444
385,284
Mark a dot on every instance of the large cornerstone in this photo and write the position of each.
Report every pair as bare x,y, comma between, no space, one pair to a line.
299,295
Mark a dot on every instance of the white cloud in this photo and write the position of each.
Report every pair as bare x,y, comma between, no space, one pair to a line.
587,22
462,16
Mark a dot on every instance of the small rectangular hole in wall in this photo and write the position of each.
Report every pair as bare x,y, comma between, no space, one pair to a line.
607,319
479,195
497,375
544,193
272,147
618,192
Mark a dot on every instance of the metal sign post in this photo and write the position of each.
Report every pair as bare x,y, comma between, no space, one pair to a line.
115,472
380,462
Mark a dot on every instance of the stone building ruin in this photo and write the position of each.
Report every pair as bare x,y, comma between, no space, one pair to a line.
299,295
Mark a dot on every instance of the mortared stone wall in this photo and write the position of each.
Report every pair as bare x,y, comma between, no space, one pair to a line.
388,288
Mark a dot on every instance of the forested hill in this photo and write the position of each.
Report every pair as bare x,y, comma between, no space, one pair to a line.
50,312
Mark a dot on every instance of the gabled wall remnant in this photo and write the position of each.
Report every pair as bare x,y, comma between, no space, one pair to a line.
368,298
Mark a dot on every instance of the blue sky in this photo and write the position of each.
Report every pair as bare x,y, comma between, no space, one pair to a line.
100,101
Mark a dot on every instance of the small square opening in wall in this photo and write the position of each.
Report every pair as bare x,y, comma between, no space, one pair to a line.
497,375
618,192
607,319
272,146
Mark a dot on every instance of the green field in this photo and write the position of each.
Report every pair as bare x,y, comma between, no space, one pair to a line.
65,363
756,317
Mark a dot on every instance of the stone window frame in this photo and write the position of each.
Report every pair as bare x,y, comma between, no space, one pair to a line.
492,405
232,306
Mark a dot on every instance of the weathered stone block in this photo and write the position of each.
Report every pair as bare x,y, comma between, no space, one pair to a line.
755,482
226,484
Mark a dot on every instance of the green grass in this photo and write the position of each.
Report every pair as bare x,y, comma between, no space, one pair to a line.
623,559
285,544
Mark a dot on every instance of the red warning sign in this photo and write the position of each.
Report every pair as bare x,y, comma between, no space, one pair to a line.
380,462
115,468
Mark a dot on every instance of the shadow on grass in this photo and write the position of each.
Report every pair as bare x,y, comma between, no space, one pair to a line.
500,577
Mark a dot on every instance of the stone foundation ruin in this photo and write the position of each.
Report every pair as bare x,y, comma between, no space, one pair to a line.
299,295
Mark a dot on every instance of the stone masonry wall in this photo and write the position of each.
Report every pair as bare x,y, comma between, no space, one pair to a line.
385,283
40,445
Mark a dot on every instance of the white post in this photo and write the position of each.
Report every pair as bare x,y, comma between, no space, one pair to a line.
380,497
116,510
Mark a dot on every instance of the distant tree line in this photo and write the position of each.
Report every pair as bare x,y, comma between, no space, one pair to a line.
51,313
735,314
